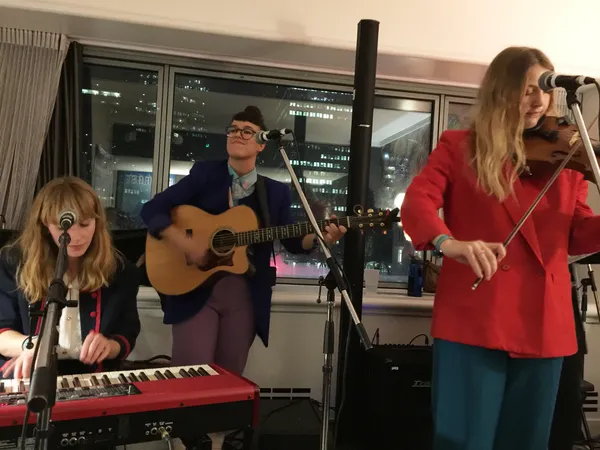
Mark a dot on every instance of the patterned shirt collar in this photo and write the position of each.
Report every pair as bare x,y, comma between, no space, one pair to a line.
245,181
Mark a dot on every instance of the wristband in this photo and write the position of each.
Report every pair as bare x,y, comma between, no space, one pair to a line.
441,239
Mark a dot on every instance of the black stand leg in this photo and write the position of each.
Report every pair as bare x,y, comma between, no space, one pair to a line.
567,420
328,349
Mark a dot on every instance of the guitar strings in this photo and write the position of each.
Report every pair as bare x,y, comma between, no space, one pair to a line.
232,239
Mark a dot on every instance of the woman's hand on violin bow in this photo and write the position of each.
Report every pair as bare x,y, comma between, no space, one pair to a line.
482,256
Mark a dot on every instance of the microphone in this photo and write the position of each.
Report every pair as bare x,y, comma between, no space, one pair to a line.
262,137
550,80
66,219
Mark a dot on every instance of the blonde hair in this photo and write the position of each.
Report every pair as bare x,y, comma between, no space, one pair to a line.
497,128
38,250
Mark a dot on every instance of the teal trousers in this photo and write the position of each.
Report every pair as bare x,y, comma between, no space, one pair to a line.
485,400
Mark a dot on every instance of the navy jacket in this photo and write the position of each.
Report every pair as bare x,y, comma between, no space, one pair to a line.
207,187
111,310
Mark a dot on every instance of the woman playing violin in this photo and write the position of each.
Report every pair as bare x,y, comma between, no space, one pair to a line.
498,349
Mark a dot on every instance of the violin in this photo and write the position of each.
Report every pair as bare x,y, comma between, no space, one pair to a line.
550,142
551,146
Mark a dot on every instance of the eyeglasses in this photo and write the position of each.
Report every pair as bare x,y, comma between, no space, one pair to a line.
245,133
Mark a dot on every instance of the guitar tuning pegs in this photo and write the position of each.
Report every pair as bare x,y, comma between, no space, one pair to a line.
370,211
384,232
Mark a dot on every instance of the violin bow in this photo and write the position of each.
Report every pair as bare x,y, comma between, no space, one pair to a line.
514,232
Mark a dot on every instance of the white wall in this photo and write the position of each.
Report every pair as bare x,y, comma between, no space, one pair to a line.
425,33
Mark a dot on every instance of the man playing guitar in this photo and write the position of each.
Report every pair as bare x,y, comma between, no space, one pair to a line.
217,322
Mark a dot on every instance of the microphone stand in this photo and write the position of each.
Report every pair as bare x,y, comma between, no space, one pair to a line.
328,349
42,391
575,107
336,281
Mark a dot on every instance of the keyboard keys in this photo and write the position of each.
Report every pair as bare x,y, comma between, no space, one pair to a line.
74,385
133,378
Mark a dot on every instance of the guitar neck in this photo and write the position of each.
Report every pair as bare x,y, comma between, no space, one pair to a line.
288,231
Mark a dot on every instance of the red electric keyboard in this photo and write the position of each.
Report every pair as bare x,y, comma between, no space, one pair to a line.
127,407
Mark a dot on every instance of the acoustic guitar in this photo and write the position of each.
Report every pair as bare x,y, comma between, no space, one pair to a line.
228,236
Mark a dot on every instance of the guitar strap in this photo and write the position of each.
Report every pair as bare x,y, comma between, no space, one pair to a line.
263,206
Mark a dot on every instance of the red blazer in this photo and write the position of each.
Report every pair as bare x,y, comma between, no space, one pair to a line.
525,309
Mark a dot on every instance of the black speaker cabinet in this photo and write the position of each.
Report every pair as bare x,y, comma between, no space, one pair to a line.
396,398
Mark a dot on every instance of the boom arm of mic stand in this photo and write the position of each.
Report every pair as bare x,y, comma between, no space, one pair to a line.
575,108
335,270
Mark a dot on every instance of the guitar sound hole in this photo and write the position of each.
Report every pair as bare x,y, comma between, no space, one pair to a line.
223,242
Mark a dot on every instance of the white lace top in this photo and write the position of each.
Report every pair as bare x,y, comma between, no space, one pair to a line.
69,328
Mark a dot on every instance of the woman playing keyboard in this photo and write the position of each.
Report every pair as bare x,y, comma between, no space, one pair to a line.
102,329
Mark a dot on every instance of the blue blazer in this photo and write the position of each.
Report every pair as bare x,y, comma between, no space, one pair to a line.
111,310
207,187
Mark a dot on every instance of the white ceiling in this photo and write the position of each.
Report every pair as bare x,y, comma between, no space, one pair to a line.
172,41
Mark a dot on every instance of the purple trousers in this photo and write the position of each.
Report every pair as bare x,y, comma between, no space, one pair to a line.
222,332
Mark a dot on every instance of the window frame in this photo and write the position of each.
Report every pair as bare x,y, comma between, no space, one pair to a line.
169,66
160,69
446,101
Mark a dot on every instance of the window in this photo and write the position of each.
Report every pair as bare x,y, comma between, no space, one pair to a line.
321,119
401,142
459,115
121,108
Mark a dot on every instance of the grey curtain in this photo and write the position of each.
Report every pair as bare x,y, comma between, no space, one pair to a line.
63,147
30,65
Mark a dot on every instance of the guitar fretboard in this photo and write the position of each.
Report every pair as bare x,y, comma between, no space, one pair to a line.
289,231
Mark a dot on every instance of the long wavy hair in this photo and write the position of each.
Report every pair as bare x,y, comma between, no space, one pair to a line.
38,251
498,155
